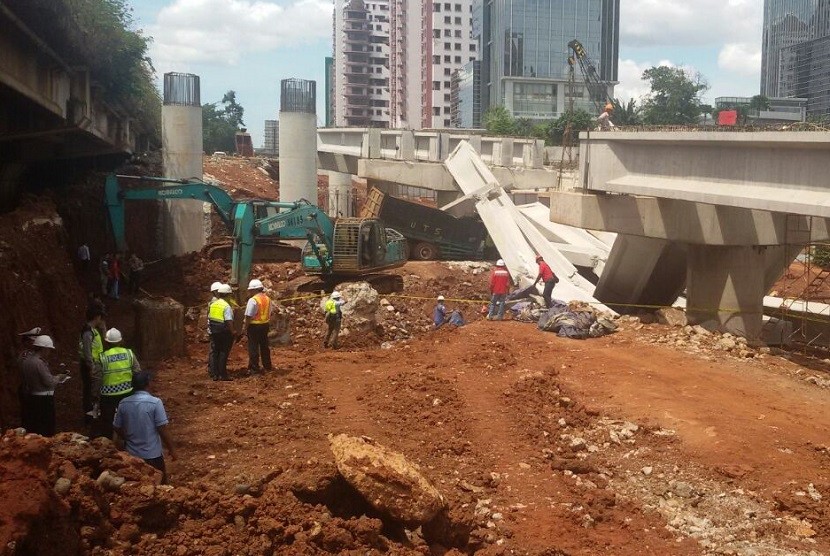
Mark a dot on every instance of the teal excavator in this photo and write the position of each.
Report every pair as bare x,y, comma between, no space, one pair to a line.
340,250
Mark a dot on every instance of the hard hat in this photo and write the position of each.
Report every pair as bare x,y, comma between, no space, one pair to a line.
335,295
500,262
113,336
215,286
43,342
255,285
31,333
440,298
609,106
224,288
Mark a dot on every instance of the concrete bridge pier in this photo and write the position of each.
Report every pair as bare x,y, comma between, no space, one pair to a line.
726,288
340,193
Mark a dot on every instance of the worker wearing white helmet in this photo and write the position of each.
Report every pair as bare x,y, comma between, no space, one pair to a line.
37,399
220,326
257,322
334,318
499,288
214,287
117,367
439,314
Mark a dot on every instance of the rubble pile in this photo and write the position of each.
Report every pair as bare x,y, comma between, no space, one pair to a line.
71,495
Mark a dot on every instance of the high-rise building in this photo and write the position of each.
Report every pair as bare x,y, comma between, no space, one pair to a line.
465,96
271,138
361,63
405,63
796,52
524,51
447,45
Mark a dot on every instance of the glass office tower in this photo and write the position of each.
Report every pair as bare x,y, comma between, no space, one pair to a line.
795,53
524,51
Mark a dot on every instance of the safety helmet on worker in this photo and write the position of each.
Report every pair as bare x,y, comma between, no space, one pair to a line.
255,285
113,336
335,295
609,107
43,342
440,298
215,286
224,289
500,262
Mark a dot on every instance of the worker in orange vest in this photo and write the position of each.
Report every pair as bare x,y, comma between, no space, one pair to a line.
257,319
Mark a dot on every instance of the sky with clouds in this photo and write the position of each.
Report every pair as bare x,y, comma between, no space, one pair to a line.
249,45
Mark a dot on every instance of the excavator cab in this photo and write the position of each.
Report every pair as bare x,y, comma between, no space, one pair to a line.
360,245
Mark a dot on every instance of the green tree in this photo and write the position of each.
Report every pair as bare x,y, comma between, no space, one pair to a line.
220,122
573,123
523,127
674,96
626,114
758,103
497,120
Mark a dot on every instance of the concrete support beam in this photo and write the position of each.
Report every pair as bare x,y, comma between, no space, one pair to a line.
642,271
684,221
726,289
773,171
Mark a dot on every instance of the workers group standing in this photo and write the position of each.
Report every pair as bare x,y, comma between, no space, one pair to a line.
257,320
117,367
90,348
334,317
499,288
548,278
37,391
220,325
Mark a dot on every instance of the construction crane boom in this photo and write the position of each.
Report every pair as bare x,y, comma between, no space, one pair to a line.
597,88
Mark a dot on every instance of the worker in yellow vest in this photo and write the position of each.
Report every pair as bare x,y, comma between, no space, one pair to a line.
257,319
117,367
90,348
220,325
334,316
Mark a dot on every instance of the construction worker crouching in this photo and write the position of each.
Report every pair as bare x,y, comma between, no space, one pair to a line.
117,367
257,321
334,317
220,324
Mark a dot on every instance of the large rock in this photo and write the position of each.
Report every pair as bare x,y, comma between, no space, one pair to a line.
672,316
361,307
387,480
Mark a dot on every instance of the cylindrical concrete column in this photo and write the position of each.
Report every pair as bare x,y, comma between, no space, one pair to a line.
726,288
183,223
298,140
340,194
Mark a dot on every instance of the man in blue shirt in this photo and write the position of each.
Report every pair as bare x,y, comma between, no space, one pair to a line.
142,422
439,314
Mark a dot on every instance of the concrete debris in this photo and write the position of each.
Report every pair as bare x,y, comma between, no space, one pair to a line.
360,309
672,316
387,480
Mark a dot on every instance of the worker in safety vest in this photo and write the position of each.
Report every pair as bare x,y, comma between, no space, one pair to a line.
214,287
90,348
257,319
334,316
117,367
220,323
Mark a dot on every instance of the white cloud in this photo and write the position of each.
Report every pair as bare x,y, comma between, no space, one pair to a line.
222,32
741,58
680,23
